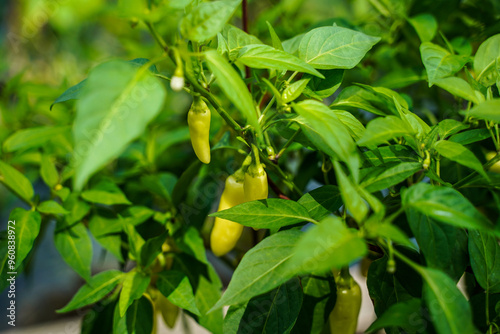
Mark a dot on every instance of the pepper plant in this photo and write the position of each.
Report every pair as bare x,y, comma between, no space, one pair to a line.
309,145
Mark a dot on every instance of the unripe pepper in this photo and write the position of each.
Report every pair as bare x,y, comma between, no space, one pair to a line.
255,183
225,233
495,168
199,129
344,317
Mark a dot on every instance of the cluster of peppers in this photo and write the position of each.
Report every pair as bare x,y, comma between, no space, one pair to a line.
242,186
249,183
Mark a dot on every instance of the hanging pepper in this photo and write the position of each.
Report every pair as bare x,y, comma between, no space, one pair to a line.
225,233
344,317
255,180
199,129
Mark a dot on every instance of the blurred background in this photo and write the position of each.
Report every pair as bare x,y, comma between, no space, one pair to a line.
46,46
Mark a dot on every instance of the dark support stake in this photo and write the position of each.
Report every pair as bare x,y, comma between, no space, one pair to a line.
244,17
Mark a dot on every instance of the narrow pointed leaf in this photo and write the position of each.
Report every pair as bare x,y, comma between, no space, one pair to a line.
271,213
262,269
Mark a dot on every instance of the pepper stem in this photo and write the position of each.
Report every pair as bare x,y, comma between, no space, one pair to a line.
256,153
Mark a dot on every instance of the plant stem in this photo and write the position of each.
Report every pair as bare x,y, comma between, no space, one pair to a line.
157,37
287,144
487,311
268,106
256,154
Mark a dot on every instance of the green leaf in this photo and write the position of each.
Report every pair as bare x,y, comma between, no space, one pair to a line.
32,137
322,201
71,93
330,244
274,37
460,154
439,63
445,205
99,319
262,269
134,285
444,247
399,78
329,48
236,39
351,197
152,248
138,319
485,260
176,287
328,86
488,110
94,290
327,125
267,57
101,226
233,318
470,136
233,86
275,311
353,125
77,209
160,184
110,242
458,87
51,207
207,19
75,247
402,315
135,241
380,229
292,45
105,122
48,172
207,294
425,25
293,91
382,129
271,213
16,182
449,310
390,154
359,97
318,301
27,226
448,127
107,193
484,61
74,92
384,177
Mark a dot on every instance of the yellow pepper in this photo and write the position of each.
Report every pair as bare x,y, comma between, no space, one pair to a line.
255,183
225,233
199,129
